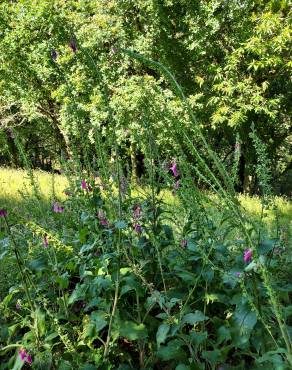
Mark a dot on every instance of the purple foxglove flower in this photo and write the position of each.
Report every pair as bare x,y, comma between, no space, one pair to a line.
174,169
54,55
176,185
3,213
184,243
83,184
22,354
100,214
247,255
57,208
137,212
45,242
29,359
138,228
104,222
73,45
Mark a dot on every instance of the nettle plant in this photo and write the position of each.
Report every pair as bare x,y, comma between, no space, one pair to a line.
161,275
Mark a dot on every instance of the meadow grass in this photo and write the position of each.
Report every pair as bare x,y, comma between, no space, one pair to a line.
15,189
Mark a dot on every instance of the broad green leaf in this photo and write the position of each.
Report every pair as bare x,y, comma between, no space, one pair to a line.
212,356
161,334
98,318
133,331
193,318
172,351
245,318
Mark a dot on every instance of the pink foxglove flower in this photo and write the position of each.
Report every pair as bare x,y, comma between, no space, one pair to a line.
83,185
57,208
137,212
247,255
138,228
3,212
184,243
104,222
22,354
176,185
174,169
45,242
29,359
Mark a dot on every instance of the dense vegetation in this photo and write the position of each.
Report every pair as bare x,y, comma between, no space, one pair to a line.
230,57
137,251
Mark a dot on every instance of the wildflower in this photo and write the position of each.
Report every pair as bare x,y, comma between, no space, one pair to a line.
247,255
45,242
100,214
29,359
176,185
102,219
138,228
3,212
22,354
184,243
174,169
57,208
54,55
137,212
104,222
83,184
237,274
73,45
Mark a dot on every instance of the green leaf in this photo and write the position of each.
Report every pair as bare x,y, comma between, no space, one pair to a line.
182,367
63,280
223,334
193,318
161,334
198,337
98,319
212,356
172,351
133,331
267,245
245,318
